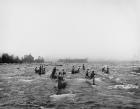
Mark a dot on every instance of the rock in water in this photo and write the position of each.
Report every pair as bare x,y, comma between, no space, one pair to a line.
62,96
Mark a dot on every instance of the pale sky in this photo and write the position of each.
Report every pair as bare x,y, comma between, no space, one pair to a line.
96,29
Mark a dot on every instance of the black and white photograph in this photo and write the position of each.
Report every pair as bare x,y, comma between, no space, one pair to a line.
69,54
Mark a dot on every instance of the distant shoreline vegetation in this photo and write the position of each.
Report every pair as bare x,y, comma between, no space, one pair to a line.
6,58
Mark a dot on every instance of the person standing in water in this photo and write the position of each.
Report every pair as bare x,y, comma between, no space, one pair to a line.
107,70
83,67
73,70
61,82
53,75
63,72
87,73
40,69
92,76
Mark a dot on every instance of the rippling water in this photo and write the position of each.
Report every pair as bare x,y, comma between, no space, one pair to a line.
20,88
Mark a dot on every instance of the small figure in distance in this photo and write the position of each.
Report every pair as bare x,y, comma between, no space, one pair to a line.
36,70
107,70
40,70
103,69
63,72
53,75
73,70
61,82
83,67
43,70
92,76
87,74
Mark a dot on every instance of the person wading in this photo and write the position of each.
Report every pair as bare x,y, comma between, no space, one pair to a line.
73,70
53,75
61,82
87,74
83,67
63,72
92,76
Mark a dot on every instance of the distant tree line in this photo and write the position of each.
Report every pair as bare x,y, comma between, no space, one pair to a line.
6,58
73,60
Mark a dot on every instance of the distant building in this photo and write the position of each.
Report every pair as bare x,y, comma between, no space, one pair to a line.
73,60
39,60
28,58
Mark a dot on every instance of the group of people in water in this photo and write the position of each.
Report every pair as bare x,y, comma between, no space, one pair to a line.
59,75
40,70
74,70
105,69
90,75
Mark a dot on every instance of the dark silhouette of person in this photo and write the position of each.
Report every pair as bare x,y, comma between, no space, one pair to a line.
43,70
53,75
83,67
63,72
103,69
92,76
107,70
78,70
61,82
87,73
36,69
40,70
73,70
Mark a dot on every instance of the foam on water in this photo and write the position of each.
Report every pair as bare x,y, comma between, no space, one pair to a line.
9,77
68,72
128,86
84,80
117,79
62,96
98,79
80,79
41,107
111,77
94,86
26,80
1,89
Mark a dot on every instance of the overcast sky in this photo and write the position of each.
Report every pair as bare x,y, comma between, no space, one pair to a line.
97,29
